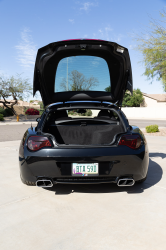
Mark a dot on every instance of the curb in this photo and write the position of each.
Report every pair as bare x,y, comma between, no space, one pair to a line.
17,123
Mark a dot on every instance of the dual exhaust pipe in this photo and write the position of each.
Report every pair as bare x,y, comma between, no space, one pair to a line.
124,182
44,183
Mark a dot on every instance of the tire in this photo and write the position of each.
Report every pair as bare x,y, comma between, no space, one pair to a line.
28,183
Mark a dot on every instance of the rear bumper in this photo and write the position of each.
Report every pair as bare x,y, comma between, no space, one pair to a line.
56,163
83,180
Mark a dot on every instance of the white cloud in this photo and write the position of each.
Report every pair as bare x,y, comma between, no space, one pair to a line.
95,61
26,50
86,6
104,33
71,21
132,46
118,38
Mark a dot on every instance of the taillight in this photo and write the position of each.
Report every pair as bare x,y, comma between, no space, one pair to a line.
36,142
131,141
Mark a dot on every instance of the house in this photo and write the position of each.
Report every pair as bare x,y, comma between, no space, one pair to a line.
34,103
154,100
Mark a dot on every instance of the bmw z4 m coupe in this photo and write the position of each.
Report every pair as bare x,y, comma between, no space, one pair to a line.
83,136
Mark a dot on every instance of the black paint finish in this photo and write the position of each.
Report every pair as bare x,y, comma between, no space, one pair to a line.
114,161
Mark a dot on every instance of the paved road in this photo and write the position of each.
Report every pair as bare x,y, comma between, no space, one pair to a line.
84,217
143,123
13,132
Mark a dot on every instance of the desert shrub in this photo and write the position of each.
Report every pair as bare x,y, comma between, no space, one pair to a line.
1,117
32,112
88,112
72,112
41,111
8,112
76,112
152,129
41,105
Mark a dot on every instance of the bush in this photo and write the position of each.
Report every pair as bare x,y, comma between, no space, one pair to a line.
88,112
41,111
32,112
152,129
8,112
41,105
2,111
133,100
75,112
1,117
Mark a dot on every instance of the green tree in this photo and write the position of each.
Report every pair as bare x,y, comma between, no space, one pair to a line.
78,82
133,100
15,88
108,89
41,104
152,45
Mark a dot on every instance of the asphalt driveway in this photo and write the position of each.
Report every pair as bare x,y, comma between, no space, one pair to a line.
83,216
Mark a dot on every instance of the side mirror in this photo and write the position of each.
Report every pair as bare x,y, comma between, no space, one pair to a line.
38,119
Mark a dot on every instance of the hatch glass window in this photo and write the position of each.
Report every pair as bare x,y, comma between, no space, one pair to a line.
82,73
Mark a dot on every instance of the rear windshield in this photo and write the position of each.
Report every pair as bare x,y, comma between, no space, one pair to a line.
82,73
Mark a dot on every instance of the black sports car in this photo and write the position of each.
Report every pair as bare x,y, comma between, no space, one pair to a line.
83,136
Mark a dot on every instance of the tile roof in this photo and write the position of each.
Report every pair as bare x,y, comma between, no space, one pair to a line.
157,97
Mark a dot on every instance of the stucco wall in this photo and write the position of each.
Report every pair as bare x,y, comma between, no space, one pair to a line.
149,102
20,109
146,112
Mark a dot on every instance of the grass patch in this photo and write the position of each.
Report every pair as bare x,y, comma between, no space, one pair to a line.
152,129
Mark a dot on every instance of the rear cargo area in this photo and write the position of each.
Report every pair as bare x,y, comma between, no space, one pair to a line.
98,130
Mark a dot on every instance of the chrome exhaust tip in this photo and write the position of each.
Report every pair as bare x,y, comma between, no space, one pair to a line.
44,183
124,182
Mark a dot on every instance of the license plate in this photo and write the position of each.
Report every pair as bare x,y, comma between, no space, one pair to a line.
85,169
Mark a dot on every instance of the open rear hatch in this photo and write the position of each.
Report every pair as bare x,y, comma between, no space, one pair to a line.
75,70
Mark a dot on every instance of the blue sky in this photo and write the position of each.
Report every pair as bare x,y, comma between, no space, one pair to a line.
26,26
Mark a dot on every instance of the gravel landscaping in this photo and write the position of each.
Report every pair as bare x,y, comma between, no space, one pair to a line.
162,132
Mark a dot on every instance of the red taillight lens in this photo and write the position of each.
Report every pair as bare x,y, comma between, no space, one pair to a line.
131,141
37,142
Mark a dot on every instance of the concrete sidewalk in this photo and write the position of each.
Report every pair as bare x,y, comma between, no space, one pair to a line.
12,120
18,123
84,217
